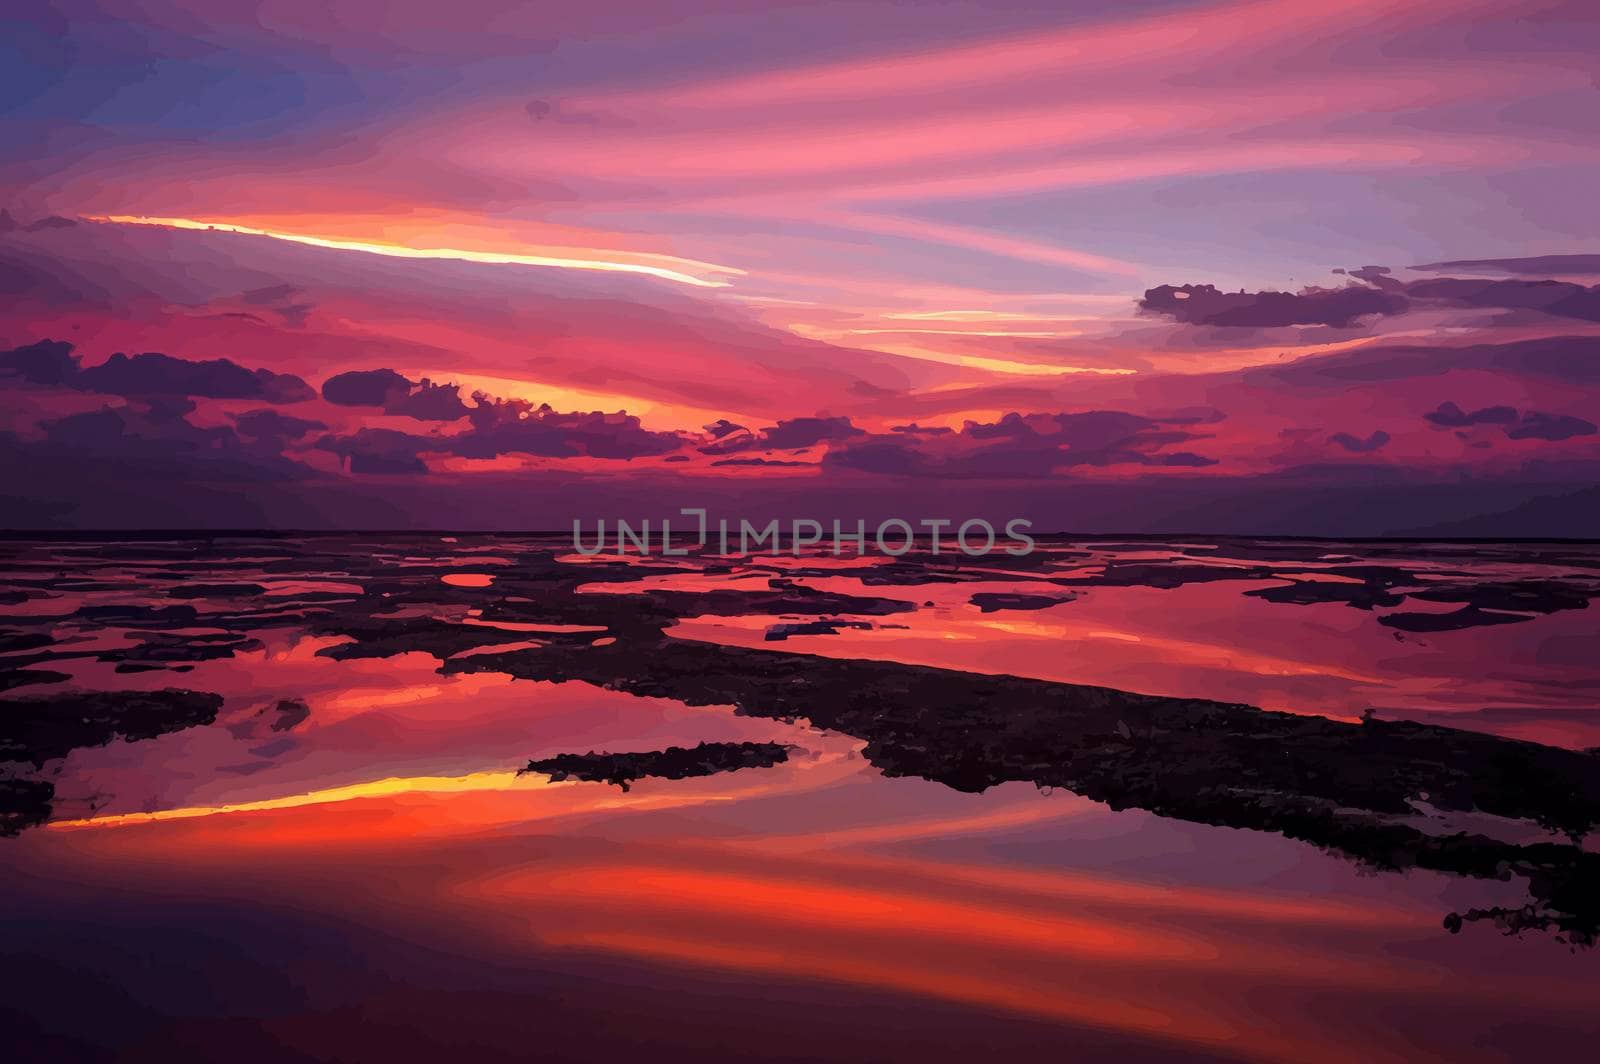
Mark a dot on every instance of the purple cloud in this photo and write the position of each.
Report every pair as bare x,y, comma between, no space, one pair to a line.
1020,445
505,426
516,426
157,374
48,362
396,394
1557,298
271,425
792,435
1573,360
1531,266
1539,426
1357,445
1203,304
1451,416
1531,425
430,402
52,363
380,451
1381,294
723,427
365,387
148,440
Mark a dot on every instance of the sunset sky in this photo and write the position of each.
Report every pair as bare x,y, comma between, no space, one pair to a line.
829,260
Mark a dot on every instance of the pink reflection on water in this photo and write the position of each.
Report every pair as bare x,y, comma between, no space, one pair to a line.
1212,641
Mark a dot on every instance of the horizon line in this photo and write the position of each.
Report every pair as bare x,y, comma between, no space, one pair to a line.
285,533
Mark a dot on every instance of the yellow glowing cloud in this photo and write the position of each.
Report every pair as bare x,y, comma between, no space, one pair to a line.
457,254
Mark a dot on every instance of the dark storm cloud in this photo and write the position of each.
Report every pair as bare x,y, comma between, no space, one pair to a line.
51,363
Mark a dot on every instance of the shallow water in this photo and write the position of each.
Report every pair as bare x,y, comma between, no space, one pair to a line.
345,862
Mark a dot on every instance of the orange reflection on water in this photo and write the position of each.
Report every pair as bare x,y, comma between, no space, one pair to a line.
499,863
1012,995
477,781
827,905
955,941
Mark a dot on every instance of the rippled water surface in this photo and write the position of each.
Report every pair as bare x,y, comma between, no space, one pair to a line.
311,840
